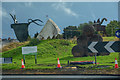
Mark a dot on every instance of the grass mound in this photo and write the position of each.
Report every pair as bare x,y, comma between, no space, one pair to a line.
48,52
46,48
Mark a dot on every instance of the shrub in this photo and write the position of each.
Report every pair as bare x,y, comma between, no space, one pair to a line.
29,38
65,42
34,42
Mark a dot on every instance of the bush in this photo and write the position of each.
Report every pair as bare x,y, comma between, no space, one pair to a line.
34,42
65,43
29,38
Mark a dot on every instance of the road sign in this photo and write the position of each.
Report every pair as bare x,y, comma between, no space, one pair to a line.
6,60
101,47
29,50
117,33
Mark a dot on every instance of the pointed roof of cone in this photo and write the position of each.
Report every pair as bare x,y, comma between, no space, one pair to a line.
50,20
50,29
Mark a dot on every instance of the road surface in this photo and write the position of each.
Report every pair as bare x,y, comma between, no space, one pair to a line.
60,77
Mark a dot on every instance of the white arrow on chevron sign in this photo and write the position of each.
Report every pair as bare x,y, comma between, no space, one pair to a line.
108,48
91,47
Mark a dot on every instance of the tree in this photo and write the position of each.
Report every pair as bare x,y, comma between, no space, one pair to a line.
112,27
80,27
70,32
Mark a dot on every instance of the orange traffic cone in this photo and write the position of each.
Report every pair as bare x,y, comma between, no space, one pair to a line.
116,64
59,66
22,65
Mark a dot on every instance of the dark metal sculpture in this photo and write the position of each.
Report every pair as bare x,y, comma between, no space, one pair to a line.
14,18
98,27
88,35
21,29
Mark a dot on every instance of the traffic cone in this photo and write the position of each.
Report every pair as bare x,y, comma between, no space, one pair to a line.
59,66
22,65
116,64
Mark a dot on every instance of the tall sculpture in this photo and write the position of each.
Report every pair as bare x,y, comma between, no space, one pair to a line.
88,35
99,27
80,50
21,29
50,30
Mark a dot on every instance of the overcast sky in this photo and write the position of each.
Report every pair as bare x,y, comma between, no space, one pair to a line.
62,13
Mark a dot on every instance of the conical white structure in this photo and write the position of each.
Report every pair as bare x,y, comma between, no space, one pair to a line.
49,30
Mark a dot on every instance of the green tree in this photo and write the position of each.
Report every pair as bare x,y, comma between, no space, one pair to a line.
70,32
80,27
112,27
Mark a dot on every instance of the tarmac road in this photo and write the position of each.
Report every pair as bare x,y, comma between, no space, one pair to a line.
60,77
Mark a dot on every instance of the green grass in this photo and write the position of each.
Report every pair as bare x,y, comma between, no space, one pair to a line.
48,52
110,38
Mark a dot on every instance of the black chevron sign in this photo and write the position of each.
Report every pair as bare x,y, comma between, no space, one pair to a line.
101,47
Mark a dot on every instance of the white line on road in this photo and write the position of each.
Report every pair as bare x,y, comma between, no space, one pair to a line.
69,76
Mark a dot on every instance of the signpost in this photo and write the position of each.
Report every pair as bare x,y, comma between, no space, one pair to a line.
32,50
103,47
117,33
6,60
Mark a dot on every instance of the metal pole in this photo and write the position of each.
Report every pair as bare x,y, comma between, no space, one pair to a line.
112,31
35,59
24,58
119,56
66,35
68,63
95,59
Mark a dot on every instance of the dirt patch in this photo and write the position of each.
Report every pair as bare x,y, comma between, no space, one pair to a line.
62,71
13,45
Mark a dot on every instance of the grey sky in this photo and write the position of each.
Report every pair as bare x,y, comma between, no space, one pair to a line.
62,13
